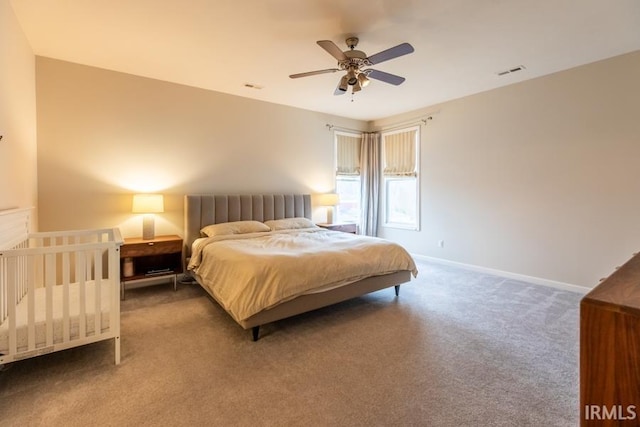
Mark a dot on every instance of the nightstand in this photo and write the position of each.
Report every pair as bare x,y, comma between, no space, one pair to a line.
344,227
142,260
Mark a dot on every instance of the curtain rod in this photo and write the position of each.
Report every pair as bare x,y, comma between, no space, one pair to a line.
329,126
417,121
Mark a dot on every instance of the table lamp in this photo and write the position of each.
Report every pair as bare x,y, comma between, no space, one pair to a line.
148,204
330,200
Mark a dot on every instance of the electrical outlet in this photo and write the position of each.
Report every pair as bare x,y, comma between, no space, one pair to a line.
441,243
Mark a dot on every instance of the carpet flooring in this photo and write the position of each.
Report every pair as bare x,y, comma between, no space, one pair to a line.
456,348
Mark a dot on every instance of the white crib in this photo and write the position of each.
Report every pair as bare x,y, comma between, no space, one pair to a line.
57,289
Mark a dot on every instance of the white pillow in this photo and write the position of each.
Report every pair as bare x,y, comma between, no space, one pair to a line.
290,223
234,227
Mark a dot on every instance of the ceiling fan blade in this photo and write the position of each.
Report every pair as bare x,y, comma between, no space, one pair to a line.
385,77
333,49
394,52
338,91
313,73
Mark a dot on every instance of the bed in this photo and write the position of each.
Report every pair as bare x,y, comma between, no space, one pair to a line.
219,261
58,290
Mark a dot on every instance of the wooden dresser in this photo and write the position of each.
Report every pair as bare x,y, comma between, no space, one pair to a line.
610,350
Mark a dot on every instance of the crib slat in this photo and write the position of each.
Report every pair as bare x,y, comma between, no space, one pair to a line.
4,298
66,278
50,281
36,265
81,261
22,268
97,290
11,309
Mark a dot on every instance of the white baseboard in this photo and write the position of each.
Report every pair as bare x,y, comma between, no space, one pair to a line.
506,274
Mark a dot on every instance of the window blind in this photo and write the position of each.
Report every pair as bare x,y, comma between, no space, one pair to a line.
348,154
400,154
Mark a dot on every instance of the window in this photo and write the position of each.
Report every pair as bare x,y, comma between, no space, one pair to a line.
348,176
400,154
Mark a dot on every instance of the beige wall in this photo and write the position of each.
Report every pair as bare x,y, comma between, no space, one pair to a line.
105,135
540,178
18,167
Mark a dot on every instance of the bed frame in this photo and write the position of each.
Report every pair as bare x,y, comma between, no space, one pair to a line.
57,289
201,210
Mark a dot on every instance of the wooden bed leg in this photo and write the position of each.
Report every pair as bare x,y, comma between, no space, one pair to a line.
397,287
256,332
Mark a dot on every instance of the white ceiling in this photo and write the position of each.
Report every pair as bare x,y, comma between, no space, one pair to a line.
222,45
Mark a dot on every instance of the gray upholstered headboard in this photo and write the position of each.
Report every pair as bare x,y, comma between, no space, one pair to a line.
201,210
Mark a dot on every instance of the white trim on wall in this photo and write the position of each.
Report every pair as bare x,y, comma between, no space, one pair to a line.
508,275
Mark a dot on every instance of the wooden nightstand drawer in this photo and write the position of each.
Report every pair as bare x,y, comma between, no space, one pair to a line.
155,247
345,228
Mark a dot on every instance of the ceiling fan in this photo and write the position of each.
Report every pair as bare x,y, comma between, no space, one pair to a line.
354,62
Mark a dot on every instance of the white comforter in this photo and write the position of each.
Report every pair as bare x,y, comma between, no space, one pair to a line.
248,273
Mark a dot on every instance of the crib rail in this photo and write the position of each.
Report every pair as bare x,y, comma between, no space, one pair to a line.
14,233
59,290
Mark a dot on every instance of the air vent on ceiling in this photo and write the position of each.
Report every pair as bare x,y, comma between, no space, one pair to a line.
511,70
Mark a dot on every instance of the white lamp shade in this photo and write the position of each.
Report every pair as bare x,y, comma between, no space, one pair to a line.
327,199
148,203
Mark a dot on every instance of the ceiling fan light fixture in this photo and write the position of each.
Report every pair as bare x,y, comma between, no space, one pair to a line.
344,83
356,87
363,80
352,78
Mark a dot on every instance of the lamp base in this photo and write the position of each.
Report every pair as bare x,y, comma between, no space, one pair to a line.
330,214
148,227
